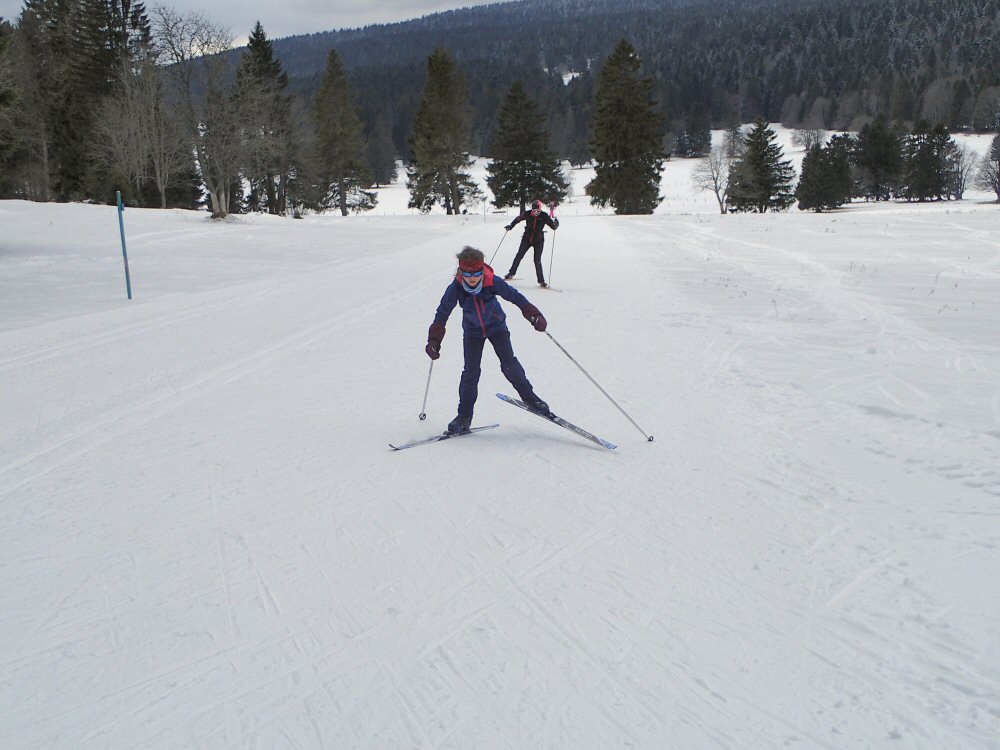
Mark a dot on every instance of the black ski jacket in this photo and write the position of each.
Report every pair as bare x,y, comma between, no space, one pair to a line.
533,224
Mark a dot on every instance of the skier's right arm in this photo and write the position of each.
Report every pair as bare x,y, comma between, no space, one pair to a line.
510,226
435,334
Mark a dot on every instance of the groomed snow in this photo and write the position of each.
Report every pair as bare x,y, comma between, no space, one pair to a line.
205,541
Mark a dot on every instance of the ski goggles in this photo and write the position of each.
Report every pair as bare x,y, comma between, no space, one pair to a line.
472,274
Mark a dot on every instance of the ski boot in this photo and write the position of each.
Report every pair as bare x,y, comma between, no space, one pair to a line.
459,425
539,407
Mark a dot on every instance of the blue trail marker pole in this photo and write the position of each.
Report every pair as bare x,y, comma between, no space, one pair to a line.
121,228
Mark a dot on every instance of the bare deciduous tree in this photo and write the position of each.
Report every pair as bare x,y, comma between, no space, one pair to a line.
808,138
712,173
136,134
215,115
963,168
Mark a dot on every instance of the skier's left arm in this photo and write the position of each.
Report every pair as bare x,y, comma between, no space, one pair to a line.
531,313
552,221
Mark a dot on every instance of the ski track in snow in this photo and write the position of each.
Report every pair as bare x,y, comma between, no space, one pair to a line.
205,542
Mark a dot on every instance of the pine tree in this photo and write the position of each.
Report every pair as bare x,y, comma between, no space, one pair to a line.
988,176
524,166
878,154
340,142
627,139
260,75
382,151
761,180
130,35
929,156
809,192
825,181
699,131
71,54
438,172
7,95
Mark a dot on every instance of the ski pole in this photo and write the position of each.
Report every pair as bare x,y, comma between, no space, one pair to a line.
505,231
552,252
648,437
423,413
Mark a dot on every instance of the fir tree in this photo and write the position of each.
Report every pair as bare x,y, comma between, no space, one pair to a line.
382,151
438,172
988,176
929,163
809,192
761,180
130,34
878,154
825,181
260,75
340,142
627,139
699,132
524,167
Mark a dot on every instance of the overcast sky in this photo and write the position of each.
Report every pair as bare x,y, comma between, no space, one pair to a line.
288,17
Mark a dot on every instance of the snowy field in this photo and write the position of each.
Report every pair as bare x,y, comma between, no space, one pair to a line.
205,541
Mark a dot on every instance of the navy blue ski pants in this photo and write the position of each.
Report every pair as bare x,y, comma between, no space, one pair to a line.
468,386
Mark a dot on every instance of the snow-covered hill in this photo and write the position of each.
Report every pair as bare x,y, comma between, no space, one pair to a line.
205,541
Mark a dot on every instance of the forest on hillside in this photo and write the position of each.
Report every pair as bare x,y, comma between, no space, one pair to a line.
834,64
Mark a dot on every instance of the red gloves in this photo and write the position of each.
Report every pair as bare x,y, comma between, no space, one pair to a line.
435,334
534,316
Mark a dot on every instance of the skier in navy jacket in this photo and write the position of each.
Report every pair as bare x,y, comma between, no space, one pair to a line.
534,220
475,289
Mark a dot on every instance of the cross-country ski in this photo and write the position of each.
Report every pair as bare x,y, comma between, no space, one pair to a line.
442,436
559,421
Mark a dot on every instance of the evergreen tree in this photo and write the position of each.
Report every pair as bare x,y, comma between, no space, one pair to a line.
878,154
340,142
438,171
988,176
259,74
699,132
524,167
627,137
7,94
810,191
50,58
761,180
825,181
130,35
71,54
682,145
382,151
930,154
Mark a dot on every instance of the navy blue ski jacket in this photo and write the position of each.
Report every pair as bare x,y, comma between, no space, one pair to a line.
482,314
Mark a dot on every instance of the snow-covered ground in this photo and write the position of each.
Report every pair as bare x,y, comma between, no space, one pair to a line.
205,541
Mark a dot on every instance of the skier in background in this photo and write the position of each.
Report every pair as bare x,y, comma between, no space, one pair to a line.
476,288
534,220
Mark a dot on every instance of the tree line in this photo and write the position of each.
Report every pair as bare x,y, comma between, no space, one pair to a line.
101,95
830,64
748,172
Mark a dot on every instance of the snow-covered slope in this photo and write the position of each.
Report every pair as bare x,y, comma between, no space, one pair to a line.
205,541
